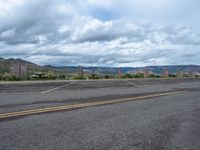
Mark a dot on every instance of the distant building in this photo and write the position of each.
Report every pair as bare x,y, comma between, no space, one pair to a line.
146,73
38,75
24,72
165,73
15,69
19,70
197,74
192,74
179,74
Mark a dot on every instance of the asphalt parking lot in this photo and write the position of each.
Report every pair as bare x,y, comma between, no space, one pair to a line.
87,84
141,121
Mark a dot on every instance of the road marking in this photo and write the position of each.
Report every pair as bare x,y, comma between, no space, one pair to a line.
131,83
81,105
56,88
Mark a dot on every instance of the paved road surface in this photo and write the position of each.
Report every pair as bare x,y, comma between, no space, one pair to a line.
167,122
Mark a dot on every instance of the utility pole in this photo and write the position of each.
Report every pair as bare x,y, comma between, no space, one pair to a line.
81,72
20,71
165,73
93,75
27,73
146,73
119,72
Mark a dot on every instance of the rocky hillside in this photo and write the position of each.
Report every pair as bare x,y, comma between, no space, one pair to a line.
5,66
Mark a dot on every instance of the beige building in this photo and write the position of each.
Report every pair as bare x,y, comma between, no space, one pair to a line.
19,70
165,73
146,73
179,74
191,74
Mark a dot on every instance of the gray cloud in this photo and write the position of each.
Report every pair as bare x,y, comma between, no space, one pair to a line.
61,32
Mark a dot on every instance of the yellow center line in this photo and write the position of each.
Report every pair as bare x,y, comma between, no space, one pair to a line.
81,105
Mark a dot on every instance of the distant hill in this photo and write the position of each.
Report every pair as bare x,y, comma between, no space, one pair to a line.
5,67
114,70
5,64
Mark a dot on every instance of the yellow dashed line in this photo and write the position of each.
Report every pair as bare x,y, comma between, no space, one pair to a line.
81,105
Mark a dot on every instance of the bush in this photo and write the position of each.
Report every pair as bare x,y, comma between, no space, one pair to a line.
79,78
11,78
51,77
139,75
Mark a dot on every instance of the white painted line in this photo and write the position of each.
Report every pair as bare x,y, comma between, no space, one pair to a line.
56,88
131,83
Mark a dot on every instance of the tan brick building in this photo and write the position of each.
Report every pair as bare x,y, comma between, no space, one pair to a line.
19,70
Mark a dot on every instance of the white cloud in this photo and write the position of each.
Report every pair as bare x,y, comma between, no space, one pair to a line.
60,32
102,3
7,6
64,28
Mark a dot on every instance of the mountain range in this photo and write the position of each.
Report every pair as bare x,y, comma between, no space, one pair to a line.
5,67
114,70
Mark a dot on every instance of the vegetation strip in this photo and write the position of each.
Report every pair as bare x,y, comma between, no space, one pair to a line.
82,105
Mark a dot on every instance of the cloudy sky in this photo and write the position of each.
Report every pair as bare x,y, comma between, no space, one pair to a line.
101,32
